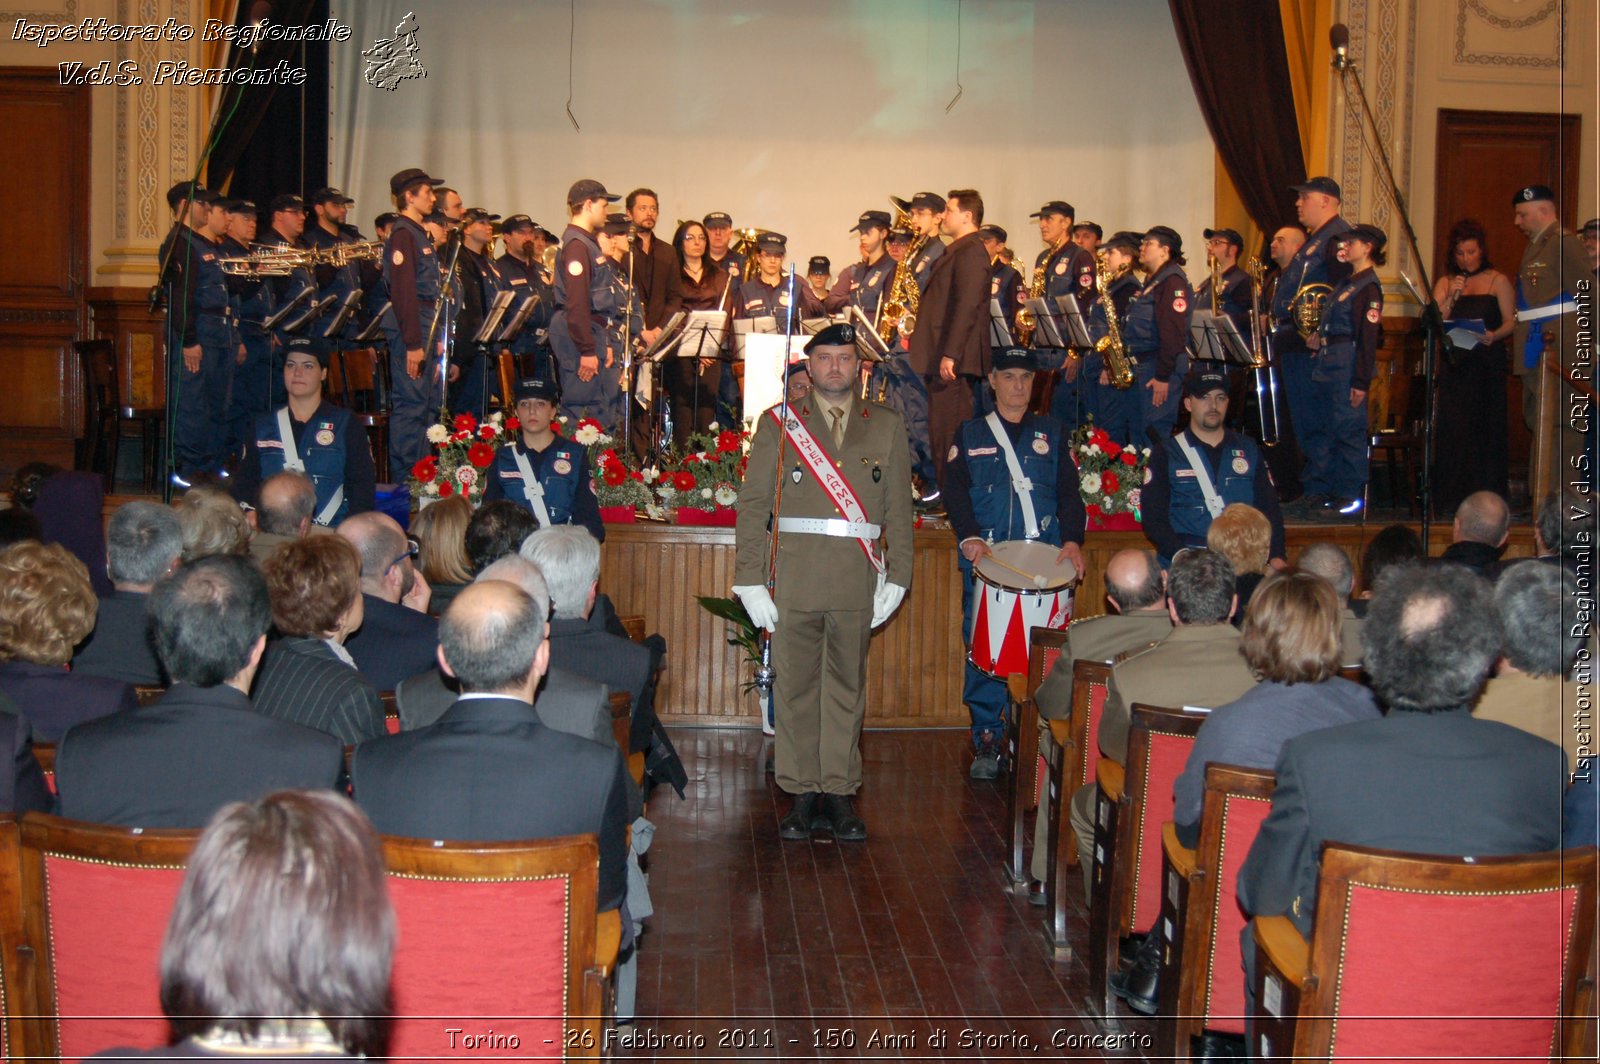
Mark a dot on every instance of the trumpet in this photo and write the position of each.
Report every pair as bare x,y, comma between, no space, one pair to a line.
341,255
265,261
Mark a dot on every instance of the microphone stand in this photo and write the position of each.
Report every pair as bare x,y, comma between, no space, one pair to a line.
448,283
1432,318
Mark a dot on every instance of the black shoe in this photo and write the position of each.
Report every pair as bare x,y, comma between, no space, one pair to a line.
986,761
1037,894
797,825
1137,983
1128,949
847,827
1216,1045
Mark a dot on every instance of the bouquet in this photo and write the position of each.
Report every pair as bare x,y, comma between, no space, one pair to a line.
618,482
1110,476
463,452
708,474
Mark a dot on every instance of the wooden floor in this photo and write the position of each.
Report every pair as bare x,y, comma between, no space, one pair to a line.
858,950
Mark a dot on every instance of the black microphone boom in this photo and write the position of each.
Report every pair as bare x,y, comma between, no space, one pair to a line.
1339,37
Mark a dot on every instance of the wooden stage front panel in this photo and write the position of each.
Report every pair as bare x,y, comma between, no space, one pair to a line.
915,666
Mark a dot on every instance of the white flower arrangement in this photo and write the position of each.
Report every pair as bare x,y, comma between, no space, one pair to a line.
1090,483
726,495
437,434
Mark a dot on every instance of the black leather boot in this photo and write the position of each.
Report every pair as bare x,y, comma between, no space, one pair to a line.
1137,984
847,827
797,825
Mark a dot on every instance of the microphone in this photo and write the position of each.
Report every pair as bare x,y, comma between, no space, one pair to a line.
1339,37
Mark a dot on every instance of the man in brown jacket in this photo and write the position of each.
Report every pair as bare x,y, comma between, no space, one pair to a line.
651,265
841,572
950,345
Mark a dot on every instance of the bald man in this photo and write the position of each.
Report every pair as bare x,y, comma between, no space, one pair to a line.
285,506
490,769
1479,533
1136,592
397,639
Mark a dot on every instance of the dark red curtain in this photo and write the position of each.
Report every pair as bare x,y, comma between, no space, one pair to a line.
1240,72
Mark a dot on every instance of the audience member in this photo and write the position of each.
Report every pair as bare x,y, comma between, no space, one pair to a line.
490,769
497,529
70,509
1197,664
1243,535
1427,778
1479,534
1332,564
397,638
307,676
1564,530
27,481
281,939
17,524
566,701
285,504
1543,617
46,608
174,763
212,524
441,534
143,544
22,786
1393,545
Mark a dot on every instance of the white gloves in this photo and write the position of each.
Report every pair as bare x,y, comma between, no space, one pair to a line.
759,605
885,602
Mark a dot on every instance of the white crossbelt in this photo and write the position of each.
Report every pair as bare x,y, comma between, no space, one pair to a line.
292,462
531,487
1019,483
830,526
1202,477
1554,310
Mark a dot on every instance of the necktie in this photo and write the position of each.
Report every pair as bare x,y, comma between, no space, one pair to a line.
838,425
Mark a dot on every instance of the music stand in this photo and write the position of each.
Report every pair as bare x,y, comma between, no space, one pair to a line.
1235,348
1077,330
869,344
519,319
670,337
347,310
1048,327
999,327
492,317
370,332
285,310
313,312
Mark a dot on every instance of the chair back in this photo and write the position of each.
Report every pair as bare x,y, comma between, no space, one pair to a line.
97,369
148,693
391,712
1091,682
1236,801
633,624
16,961
45,754
507,366
500,932
1159,742
95,905
1044,651
1487,952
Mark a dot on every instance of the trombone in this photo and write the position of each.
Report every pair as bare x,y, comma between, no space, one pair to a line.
1261,369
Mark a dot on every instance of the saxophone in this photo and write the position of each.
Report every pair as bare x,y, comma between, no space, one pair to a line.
1027,321
1119,371
898,315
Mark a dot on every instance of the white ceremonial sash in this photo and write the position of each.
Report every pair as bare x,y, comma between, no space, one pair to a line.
1019,483
1202,477
833,483
531,486
291,462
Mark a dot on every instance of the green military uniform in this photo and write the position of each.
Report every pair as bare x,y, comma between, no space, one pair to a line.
1197,665
825,585
1552,267
1091,639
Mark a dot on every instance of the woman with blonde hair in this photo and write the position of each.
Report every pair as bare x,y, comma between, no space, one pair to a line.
47,608
1291,642
212,524
1243,535
440,530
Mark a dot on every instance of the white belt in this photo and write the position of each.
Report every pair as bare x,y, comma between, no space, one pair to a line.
1554,310
830,526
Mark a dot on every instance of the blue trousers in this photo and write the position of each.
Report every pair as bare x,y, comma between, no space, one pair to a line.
1341,432
984,695
252,388
1163,417
1309,416
909,397
415,405
470,393
600,397
200,418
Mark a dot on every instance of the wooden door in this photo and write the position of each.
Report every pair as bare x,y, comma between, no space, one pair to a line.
43,273
1482,158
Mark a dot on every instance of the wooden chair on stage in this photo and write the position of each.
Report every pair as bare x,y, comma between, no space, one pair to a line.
505,933
94,904
1073,763
1028,769
360,377
1202,987
1418,957
1131,806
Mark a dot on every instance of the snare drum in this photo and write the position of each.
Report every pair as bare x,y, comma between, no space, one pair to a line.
1007,606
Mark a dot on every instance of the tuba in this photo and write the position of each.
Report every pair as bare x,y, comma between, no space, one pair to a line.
1119,370
1306,308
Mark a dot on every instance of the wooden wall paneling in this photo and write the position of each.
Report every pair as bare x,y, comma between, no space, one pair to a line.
42,307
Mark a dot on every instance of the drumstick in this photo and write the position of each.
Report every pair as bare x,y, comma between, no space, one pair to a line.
1035,579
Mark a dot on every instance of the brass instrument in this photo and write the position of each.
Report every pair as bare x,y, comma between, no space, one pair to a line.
897,315
1119,368
342,255
1216,284
547,263
744,243
267,261
1306,308
1027,321
1265,379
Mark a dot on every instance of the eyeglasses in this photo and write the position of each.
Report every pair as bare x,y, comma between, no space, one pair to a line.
413,548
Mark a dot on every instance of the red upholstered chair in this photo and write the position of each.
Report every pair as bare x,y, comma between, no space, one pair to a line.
1071,766
391,712
96,901
1201,985
1028,768
1416,957
1130,808
16,961
503,933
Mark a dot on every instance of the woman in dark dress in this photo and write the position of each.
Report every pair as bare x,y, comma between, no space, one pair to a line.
1472,381
693,383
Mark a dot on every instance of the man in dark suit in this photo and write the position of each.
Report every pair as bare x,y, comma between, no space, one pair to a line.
143,544
174,763
1479,534
950,346
1428,778
397,638
490,769
22,787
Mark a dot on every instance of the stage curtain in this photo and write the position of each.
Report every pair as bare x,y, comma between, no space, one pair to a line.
1305,40
1235,54
239,109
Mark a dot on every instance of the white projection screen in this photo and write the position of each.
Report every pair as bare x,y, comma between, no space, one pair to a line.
790,116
